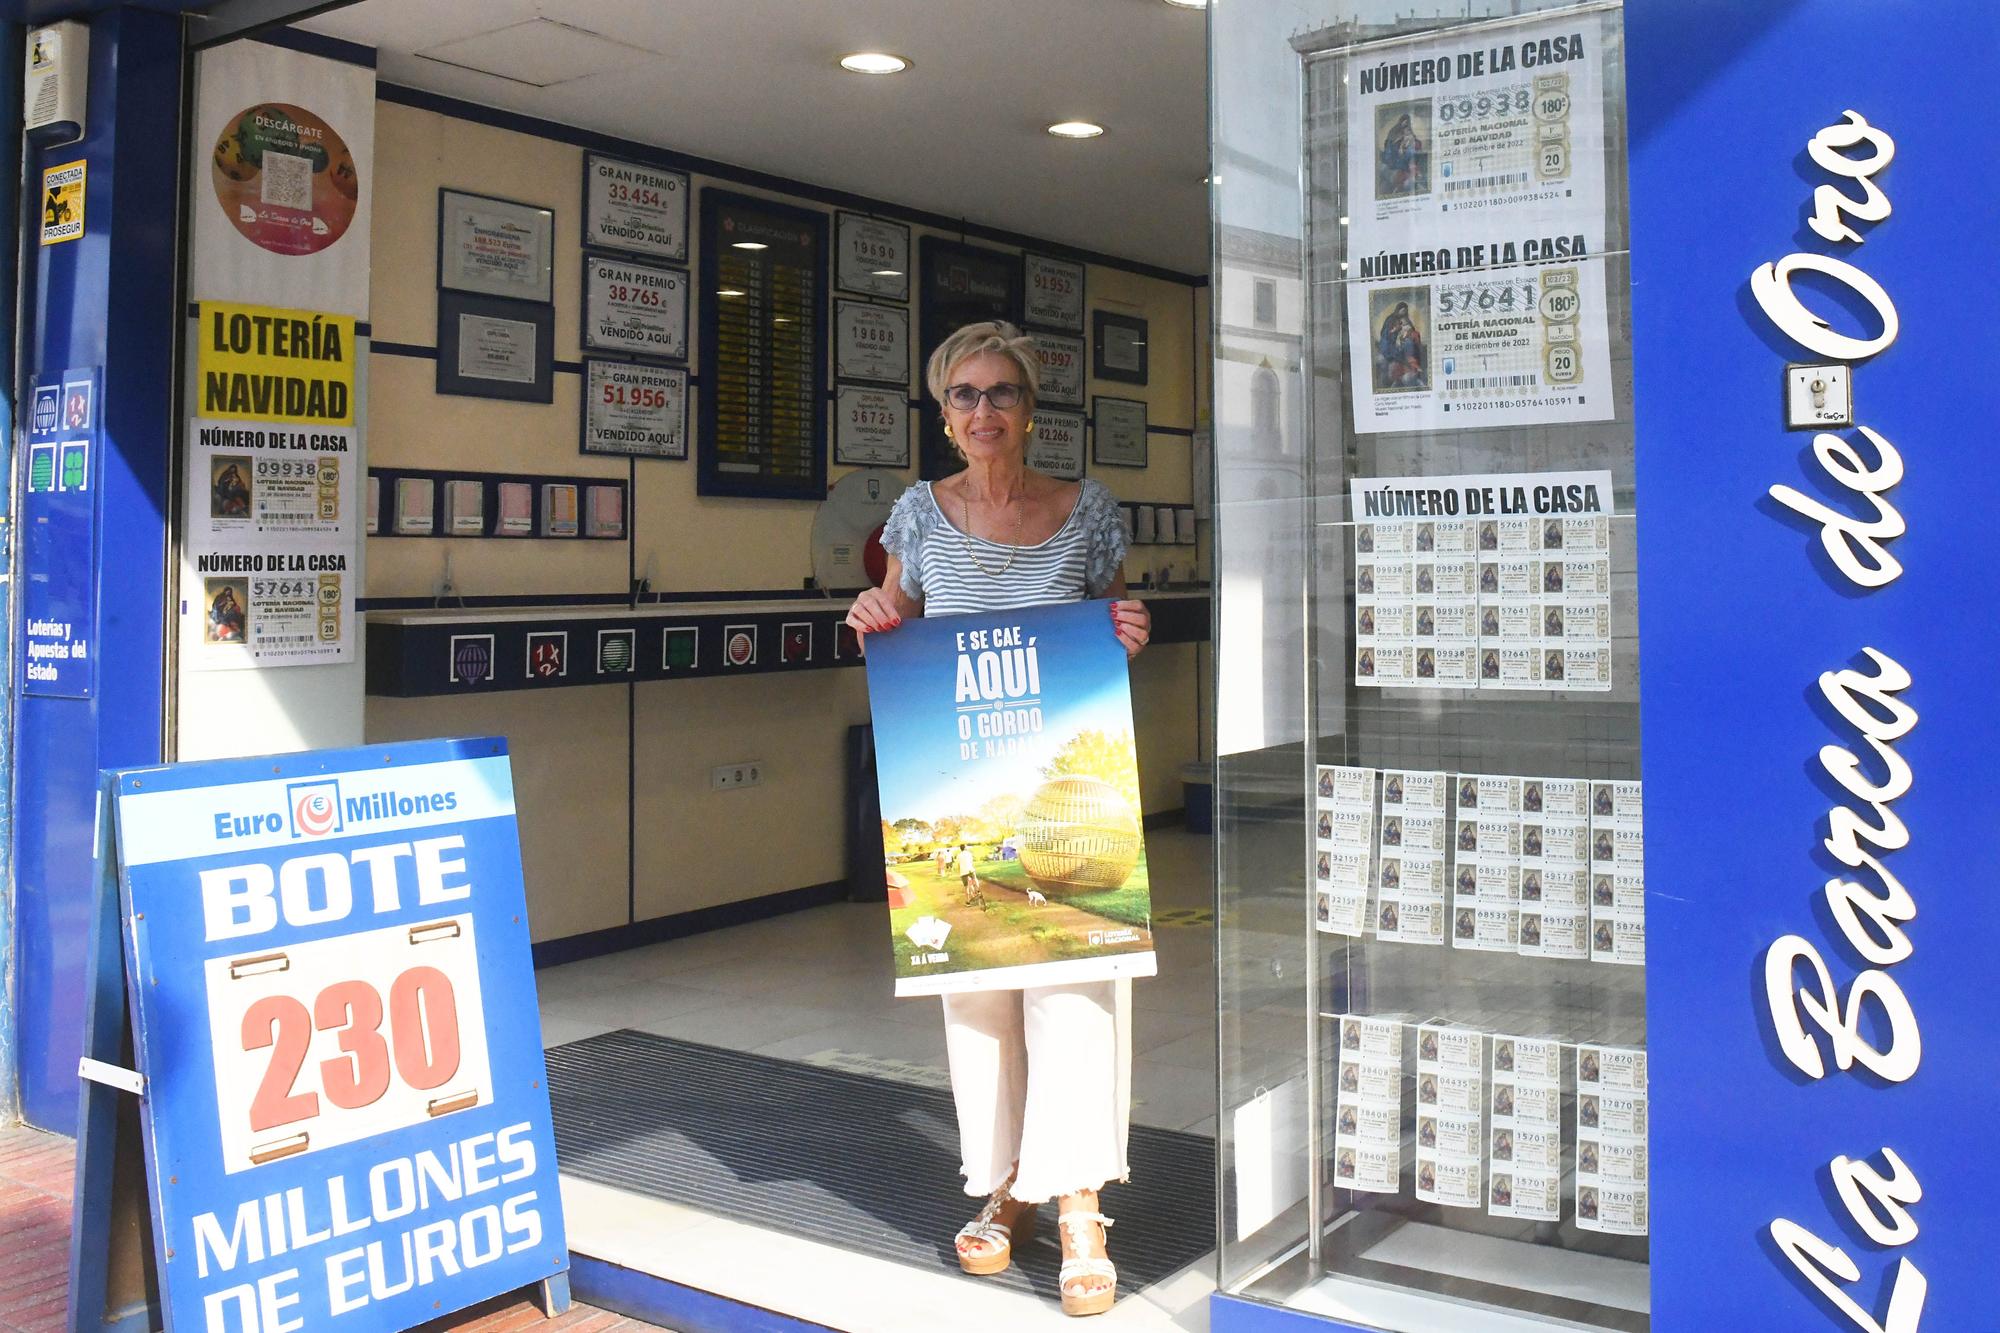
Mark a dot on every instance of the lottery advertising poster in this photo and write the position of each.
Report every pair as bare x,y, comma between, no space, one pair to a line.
1476,229
285,203
273,490
1009,786
346,1118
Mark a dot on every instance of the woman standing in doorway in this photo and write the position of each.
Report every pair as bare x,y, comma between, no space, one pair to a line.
1041,1076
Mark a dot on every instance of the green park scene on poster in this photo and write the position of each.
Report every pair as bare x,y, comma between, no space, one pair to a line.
1009,784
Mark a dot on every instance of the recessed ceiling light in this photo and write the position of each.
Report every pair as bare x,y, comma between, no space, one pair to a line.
887,273
875,62
1075,129
749,245
1188,4
729,291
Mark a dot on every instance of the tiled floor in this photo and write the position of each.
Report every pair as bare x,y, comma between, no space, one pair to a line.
36,1170
831,1003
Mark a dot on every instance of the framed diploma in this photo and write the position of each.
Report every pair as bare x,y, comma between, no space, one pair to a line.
1062,369
871,342
490,348
1120,347
872,257
495,247
634,409
871,427
1054,293
1119,437
1056,447
633,307
639,209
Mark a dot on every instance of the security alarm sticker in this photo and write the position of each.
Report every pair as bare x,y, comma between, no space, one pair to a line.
62,202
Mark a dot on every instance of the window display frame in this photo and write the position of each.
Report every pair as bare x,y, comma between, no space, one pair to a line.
1326,1233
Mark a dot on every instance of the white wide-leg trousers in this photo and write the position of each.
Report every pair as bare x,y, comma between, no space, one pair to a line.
1042,1077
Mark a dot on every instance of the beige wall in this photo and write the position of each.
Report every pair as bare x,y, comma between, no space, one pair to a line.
691,847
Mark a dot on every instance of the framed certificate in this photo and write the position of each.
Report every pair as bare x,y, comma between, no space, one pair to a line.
633,409
490,348
1120,347
633,307
1053,293
1119,437
871,342
1062,369
639,209
872,257
495,247
1056,447
871,427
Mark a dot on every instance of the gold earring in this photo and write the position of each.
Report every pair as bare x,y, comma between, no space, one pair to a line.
1031,425
947,433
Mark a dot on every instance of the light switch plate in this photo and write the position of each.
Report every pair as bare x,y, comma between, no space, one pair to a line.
1818,396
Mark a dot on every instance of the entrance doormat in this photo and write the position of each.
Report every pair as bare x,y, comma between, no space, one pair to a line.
844,1159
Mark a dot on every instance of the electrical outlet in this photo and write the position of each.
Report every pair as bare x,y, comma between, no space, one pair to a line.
728,777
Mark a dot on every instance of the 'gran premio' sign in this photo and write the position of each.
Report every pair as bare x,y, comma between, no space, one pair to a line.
1869,904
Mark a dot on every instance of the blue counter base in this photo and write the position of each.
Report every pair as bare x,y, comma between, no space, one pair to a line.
1230,1314
671,1305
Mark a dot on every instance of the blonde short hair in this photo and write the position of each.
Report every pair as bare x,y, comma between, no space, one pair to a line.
986,336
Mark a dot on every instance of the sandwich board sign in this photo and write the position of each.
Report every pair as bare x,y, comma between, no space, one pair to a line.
342,1101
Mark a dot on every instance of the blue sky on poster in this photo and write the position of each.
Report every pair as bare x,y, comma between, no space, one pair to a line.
912,674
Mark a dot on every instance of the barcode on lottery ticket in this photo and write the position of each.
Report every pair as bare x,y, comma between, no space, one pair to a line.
1486,182
1489,382
287,180
286,641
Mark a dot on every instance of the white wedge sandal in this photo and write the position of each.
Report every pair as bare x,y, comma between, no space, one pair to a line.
1074,1228
996,1236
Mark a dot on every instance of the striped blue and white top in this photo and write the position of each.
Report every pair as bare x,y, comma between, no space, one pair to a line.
1080,561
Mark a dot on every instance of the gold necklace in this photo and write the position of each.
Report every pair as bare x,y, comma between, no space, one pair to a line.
1013,547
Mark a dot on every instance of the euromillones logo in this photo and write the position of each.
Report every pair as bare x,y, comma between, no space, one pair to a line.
315,808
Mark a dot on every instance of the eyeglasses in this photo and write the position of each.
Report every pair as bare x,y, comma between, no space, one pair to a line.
965,398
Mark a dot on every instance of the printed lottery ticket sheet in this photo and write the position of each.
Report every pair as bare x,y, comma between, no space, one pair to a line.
1343,841
1368,1105
1451,1105
1492,582
1410,879
1525,1129
1475,229
1617,874
1543,867
1611,1166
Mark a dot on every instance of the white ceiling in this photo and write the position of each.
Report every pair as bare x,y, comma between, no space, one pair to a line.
961,133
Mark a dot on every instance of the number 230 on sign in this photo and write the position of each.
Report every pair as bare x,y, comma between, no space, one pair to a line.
338,1040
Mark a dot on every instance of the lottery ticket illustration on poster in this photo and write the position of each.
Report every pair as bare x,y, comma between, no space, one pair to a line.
1517,346
1457,137
1525,1134
1368,1105
1617,874
1509,589
1612,1185
1451,1139
1343,837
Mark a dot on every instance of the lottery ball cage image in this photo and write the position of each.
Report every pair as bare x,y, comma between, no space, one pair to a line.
1078,835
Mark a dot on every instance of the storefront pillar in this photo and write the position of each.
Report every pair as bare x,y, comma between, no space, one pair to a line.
104,301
